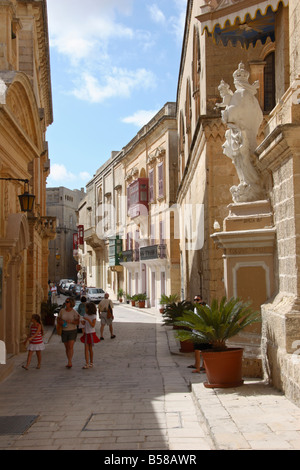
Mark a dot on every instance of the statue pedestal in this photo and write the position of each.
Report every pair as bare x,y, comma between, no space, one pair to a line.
248,243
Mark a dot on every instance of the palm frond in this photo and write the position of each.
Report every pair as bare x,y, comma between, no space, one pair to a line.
217,323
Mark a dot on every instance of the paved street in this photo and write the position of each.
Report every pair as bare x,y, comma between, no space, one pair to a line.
139,396
133,399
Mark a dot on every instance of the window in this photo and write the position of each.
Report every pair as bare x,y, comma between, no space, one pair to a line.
269,82
196,72
160,169
137,197
151,185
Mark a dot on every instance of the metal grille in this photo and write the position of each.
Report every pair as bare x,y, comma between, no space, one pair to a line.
16,424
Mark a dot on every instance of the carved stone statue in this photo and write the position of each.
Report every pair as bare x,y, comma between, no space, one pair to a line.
243,117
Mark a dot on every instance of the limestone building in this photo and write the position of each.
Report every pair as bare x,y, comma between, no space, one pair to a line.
62,204
129,215
25,114
240,50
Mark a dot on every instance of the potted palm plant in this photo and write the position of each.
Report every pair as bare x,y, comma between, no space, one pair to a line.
141,299
172,313
120,294
215,325
167,299
133,299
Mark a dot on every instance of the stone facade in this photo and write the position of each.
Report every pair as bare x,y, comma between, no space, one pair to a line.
25,114
62,204
129,215
259,240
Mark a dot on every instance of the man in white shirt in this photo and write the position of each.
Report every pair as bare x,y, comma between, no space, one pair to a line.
105,309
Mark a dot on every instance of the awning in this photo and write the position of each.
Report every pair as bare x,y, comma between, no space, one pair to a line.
245,21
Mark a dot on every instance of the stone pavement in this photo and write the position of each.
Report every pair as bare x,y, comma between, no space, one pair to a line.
254,416
139,396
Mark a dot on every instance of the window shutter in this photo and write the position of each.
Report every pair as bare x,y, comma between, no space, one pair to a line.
151,185
161,180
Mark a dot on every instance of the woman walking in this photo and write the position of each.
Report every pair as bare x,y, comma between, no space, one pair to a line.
68,318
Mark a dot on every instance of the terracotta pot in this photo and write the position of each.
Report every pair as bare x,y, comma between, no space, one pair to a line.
133,303
223,368
141,303
186,346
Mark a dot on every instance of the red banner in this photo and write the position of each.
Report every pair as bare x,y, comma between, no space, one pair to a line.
80,234
75,241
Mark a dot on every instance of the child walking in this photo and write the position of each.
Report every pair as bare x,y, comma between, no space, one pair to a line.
36,343
89,337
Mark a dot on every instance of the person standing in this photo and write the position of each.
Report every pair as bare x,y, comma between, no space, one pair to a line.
36,343
89,337
68,318
106,315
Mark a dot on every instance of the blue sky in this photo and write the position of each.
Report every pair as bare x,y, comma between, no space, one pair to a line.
114,64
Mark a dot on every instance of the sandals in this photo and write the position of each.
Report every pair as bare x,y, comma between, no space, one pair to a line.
88,366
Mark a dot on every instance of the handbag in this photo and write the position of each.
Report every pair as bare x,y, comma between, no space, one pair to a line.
58,328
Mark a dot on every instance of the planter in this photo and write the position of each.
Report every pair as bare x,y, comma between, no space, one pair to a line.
120,300
223,368
186,346
141,303
133,303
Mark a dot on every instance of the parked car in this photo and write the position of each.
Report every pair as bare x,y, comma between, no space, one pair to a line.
75,291
62,285
67,287
94,294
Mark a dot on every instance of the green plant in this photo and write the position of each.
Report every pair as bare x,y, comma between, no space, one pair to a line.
168,299
173,311
141,297
217,323
120,292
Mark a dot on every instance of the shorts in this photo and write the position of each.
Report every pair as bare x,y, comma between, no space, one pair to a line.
104,319
68,335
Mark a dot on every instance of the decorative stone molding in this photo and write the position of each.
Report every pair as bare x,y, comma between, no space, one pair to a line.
157,154
132,173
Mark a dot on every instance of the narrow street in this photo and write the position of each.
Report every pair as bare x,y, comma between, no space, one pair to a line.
135,397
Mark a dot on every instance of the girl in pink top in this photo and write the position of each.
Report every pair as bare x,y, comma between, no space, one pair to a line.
36,342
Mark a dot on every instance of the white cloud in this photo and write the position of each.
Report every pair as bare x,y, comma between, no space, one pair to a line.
140,118
77,28
85,176
60,175
119,83
156,14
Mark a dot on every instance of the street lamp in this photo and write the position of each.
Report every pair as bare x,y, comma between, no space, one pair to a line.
26,199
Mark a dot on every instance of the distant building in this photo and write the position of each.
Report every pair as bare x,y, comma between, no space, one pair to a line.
62,203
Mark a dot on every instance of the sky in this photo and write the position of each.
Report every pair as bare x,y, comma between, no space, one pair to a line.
114,64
